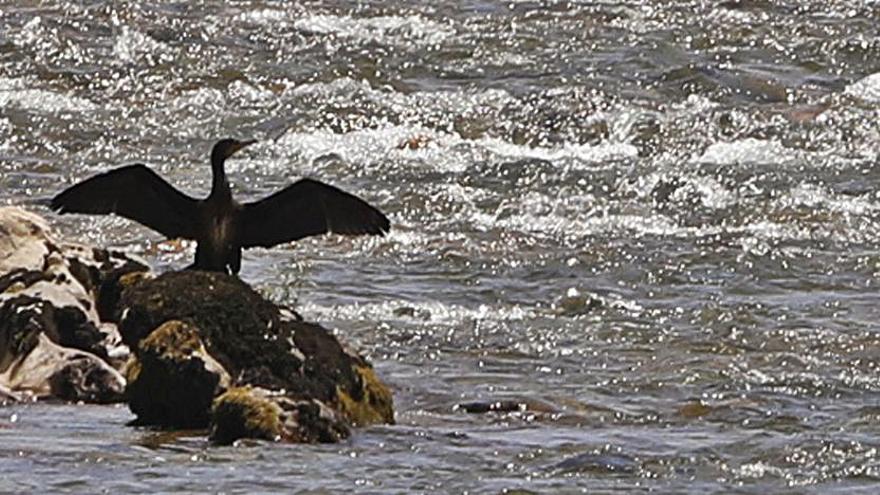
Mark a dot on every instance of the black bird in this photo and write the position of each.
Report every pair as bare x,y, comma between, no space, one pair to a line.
220,225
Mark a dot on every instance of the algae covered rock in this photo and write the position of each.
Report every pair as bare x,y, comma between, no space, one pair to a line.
373,405
246,412
243,412
174,380
298,371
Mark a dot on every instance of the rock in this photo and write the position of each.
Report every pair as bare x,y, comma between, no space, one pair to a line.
24,240
482,407
85,378
48,307
50,370
375,404
303,368
243,412
174,379
503,406
246,412
8,396
33,360
207,349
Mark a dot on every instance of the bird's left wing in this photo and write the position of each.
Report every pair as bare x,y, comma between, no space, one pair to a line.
137,193
307,208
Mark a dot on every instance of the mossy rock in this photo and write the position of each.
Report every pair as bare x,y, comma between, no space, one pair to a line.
376,404
261,347
242,413
247,412
240,328
174,380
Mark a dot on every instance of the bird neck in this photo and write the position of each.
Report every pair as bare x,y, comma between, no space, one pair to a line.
219,186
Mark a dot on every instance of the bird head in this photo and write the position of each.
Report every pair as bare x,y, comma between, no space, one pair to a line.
227,147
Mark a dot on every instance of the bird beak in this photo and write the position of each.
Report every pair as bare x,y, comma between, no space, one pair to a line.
242,144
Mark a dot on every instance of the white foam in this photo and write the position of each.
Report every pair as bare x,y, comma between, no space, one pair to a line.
867,89
757,470
200,98
749,150
14,93
273,17
601,152
382,29
249,94
428,312
134,46
816,197
361,146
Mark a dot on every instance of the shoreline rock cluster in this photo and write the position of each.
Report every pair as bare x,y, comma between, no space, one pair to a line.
185,349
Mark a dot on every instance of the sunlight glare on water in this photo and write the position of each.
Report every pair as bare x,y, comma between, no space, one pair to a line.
651,226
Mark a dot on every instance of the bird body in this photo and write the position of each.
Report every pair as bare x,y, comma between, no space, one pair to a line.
216,247
221,226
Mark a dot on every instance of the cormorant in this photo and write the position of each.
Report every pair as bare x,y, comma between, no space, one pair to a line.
220,225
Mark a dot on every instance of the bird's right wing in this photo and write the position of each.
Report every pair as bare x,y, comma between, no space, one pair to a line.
137,193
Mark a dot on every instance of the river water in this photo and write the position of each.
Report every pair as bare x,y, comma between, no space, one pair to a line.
650,227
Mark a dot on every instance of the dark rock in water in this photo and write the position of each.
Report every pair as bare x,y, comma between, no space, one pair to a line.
478,407
576,304
665,188
243,412
52,342
506,406
246,412
317,386
174,380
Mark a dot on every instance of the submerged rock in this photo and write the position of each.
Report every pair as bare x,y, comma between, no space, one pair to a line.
52,340
316,386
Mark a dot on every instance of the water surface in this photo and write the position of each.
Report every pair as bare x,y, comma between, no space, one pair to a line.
653,224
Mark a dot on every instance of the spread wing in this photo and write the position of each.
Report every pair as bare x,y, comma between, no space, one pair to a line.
307,208
137,193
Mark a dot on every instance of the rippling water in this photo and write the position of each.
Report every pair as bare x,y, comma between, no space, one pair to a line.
652,224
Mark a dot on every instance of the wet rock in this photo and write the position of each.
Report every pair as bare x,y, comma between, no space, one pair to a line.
306,372
375,404
506,406
86,378
8,396
481,407
665,188
111,288
246,412
52,340
694,410
47,369
415,142
243,412
575,303
174,380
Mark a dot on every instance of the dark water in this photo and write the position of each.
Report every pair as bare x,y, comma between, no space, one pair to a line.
653,224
